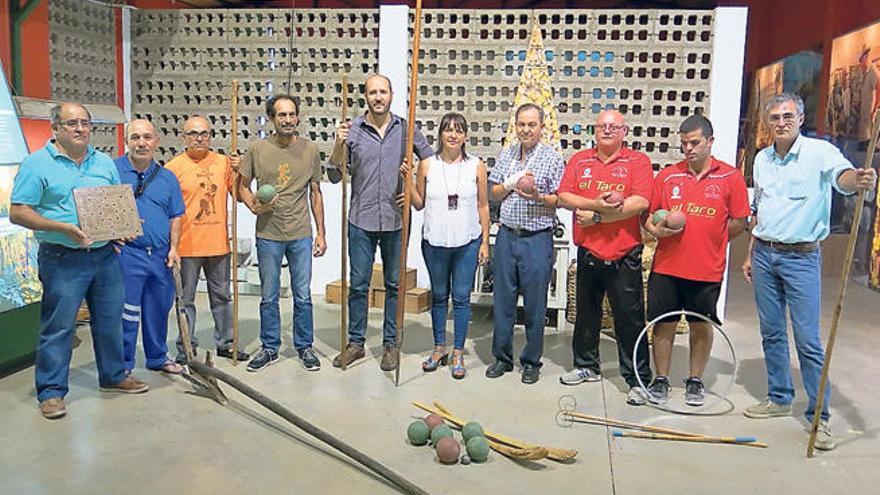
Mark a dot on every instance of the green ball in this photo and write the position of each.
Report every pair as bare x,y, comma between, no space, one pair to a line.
439,432
417,432
478,449
472,429
266,193
659,216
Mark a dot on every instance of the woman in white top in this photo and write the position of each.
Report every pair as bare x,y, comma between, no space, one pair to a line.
455,236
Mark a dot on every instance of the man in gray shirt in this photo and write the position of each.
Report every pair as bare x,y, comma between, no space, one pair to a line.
375,143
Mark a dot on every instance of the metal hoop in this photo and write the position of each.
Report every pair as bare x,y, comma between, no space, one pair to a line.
719,398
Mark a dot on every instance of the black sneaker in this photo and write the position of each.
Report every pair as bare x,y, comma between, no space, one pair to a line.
309,360
264,358
658,390
694,391
498,368
227,353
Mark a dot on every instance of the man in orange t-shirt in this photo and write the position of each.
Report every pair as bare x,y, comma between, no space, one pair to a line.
206,178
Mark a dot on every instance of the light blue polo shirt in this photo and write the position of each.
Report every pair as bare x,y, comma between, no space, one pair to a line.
159,203
793,193
46,180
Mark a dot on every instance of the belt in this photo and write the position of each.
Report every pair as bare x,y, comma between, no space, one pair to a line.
791,247
60,247
526,233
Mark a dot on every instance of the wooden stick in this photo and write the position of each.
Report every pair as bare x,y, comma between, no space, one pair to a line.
234,271
844,278
553,453
586,418
343,311
407,184
746,441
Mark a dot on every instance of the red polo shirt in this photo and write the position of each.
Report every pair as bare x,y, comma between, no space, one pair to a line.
628,172
700,251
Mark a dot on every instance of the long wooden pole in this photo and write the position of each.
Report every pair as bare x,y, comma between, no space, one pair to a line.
407,183
234,271
844,278
343,310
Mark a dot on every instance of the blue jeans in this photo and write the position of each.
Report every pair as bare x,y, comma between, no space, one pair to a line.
69,276
451,268
299,263
361,251
790,279
149,296
522,265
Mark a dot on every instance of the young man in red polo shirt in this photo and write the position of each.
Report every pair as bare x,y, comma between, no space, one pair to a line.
609,258
689,262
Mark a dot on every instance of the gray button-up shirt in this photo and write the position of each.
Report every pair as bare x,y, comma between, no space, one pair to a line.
375,168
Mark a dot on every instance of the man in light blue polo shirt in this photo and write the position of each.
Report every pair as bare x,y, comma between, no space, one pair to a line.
792,208
71,266
147,260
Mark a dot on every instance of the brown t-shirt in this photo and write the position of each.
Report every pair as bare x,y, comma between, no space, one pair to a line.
289,169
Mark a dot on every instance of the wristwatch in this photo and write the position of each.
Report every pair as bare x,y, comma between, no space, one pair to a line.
597,218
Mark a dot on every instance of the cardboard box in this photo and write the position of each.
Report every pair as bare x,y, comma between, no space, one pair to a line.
377,281
333,293
418,300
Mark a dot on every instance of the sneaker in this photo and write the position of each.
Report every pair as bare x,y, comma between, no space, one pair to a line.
636,396
694,391
530,374
658,390
579,375
309,360
227,353
128,386
262,359
390,358
353,352
824,438
767,409
53,408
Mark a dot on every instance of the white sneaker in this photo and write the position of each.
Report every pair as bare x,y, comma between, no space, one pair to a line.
637,396
824,438
579,375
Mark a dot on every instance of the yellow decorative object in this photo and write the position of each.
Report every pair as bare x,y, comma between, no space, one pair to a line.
535,87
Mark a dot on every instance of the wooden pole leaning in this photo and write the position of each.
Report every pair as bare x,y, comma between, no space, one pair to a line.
343,305
234,268
844,278
407,184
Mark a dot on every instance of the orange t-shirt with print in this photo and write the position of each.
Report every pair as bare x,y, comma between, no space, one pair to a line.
205,185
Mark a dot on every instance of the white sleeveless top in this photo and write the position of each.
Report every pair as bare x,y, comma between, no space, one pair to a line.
451,228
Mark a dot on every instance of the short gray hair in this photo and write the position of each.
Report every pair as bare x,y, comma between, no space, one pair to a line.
785,98
529,106
55,112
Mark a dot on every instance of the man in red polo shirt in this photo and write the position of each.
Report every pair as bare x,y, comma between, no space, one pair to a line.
609,258
689,262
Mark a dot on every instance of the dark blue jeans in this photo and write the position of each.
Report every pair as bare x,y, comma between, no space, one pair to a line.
299,263
69,276
451,268
522,265
361,251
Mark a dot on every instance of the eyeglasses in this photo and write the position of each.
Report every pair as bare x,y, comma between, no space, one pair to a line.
787,117
74,123
610,127
198,135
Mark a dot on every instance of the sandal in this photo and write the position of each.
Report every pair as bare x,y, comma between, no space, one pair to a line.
170,367
458,369
432,364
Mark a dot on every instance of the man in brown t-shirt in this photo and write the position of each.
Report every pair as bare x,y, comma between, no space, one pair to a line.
290,164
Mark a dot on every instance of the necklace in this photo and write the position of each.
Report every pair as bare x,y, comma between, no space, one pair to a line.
452,199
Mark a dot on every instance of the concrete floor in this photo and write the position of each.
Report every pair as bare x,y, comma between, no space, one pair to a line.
171,440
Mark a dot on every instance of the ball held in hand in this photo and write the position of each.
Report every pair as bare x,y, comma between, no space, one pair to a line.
266,193
659,216
675,220
526,184
615,198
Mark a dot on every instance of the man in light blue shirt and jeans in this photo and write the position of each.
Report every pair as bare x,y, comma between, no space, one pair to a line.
71,266
792,208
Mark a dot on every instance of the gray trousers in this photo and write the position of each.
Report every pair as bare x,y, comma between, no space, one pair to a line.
216,270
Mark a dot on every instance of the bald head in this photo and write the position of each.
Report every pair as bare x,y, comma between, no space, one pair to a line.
197,137
141,140
611,128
